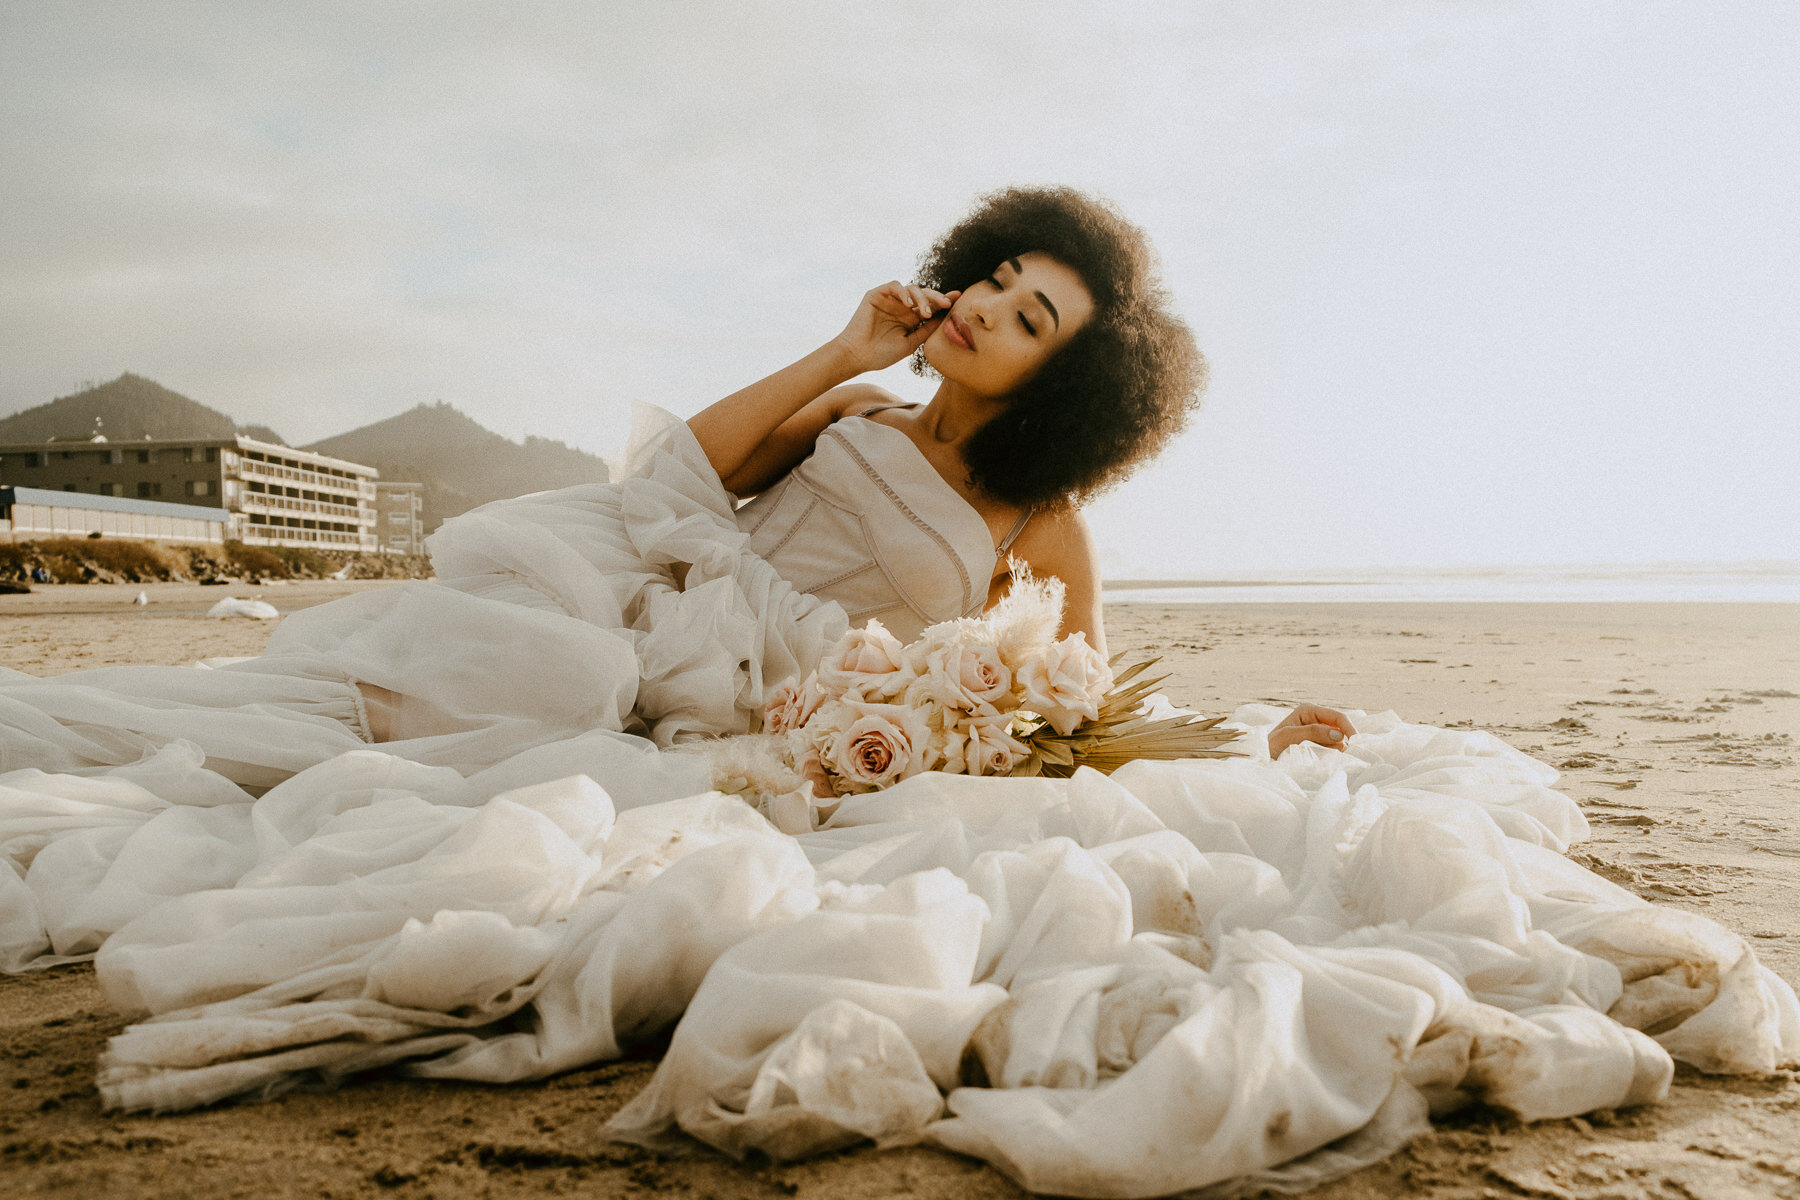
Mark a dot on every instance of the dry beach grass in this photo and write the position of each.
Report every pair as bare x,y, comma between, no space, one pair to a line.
1675,727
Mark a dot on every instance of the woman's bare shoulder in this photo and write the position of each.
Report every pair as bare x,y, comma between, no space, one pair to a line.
1058,534
867,400
1057,541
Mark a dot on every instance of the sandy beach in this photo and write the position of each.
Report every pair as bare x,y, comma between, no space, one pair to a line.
1674,726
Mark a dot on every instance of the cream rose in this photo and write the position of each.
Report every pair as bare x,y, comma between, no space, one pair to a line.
1066,684
869,661
882,744
791,705
966,674
984,747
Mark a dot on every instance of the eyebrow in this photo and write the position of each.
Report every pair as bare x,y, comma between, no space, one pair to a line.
1042,299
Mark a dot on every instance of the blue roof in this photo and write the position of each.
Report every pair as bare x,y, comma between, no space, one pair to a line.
149,508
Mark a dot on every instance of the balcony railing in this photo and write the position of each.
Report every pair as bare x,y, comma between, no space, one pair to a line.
362,488
280,535
263,502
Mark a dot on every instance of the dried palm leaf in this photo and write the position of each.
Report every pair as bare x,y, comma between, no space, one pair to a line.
1121,733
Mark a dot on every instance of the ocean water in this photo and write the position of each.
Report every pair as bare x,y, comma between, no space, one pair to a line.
1753,582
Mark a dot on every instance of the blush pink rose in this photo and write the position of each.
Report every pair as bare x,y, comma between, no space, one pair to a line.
792,705
1066,683
882,744
869,661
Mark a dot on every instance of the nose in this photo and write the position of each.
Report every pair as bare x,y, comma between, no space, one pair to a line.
977,311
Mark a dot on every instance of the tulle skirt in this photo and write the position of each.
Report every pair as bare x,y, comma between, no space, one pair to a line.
1107,986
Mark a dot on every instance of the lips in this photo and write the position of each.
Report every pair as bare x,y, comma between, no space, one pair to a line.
957,330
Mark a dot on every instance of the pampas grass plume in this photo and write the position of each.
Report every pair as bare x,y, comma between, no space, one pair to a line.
1029,615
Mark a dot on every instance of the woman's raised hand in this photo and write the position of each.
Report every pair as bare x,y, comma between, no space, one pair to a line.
892,321
1310,723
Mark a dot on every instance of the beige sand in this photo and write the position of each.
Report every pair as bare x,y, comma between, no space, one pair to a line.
1675,726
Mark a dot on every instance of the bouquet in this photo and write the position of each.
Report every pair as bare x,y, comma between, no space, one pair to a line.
998,694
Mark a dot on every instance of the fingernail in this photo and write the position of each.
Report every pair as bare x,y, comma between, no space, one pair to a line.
1335,736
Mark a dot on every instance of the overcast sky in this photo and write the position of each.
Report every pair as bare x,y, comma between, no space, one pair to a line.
1482,281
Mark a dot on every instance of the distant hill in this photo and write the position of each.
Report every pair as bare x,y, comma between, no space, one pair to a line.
128,409
261,433
460,463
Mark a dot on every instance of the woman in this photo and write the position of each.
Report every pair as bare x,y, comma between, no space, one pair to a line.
1128,985
1061,369
637,608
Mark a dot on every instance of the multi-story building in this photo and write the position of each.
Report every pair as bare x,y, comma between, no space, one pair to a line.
399,518
276,496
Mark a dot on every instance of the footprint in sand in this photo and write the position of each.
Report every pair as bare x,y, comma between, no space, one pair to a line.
1659,878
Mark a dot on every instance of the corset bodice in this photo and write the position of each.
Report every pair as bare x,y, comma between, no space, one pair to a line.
866,520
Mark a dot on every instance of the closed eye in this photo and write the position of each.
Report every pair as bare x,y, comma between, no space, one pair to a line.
999,287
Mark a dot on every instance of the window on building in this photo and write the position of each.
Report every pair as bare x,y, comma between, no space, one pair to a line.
115,457
149,491
69,487
145,456
109,489
201,487
212,454
399,518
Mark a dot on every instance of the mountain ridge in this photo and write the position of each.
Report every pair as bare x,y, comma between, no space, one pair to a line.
460,462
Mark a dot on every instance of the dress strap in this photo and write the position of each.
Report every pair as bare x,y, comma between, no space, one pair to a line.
875,408
1012,535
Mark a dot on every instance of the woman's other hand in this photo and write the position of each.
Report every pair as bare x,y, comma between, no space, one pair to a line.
892,321
1310,723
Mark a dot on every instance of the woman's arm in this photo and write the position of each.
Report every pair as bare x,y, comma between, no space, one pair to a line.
793,439
892,321
1058,543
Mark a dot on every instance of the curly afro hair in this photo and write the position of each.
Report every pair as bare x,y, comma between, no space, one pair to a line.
1116,392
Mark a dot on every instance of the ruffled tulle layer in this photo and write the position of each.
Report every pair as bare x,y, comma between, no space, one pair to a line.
1106,986
571,631
632,606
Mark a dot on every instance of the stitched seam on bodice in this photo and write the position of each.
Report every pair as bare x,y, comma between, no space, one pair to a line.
771,504
893,578
874,610
962,571
815,588
795,527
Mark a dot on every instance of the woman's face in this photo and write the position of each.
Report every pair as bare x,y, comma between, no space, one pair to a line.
1002,329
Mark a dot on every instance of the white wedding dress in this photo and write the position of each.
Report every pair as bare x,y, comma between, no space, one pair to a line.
1181,974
